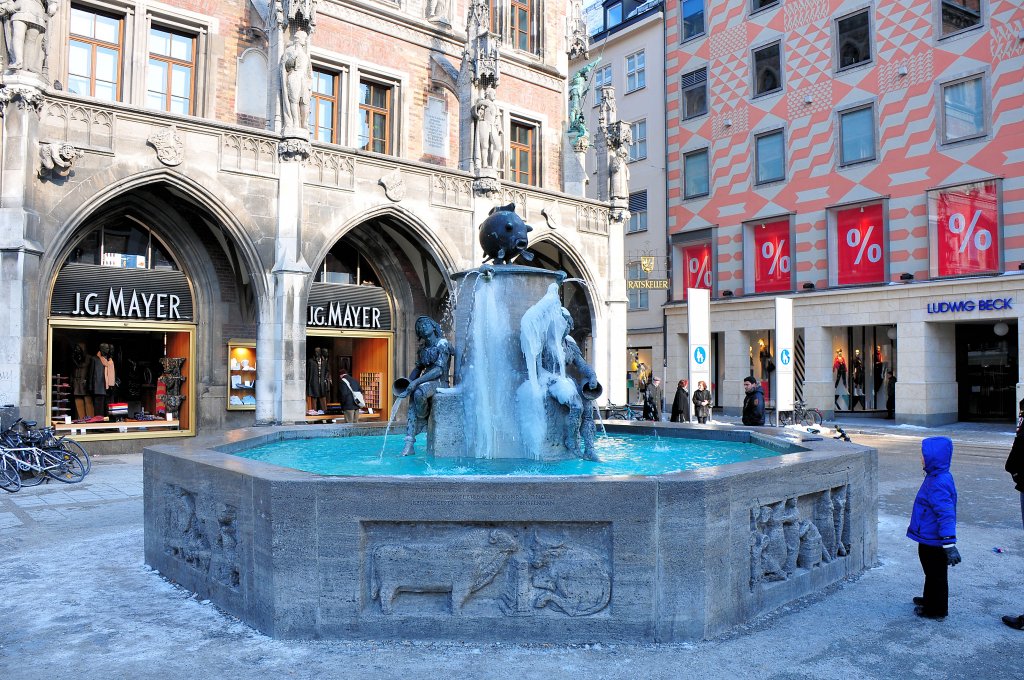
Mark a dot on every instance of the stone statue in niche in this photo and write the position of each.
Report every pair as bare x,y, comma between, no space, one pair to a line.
25,23
461,566
618,174
839,497
439,12
573,579
487,150
431,372
296,78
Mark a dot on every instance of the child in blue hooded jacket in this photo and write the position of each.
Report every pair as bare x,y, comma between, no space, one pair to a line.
933,526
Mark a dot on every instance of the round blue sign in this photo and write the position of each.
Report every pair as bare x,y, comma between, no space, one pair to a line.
699,355
785,357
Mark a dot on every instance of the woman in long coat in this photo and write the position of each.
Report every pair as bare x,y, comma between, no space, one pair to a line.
681,404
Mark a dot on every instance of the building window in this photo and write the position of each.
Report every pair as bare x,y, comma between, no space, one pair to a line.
695,174
323,112
170,71
853,40
758,5
695,93
963,109
767,69
603,76
637,296
637,212
960,15
693,18
521,155
638,149
520,24
94,54
770,149
374,117
612,15
857,135
636,75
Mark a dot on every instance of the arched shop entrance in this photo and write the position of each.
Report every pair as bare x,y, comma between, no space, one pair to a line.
125,354
365,295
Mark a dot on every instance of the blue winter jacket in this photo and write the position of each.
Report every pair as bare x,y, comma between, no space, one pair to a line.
934,519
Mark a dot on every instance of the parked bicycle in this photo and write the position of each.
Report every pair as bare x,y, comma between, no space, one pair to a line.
801,415
38,455
624,412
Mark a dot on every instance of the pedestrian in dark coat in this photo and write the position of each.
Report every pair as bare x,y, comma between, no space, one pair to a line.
654,397
753,403
1015,466
681,404
890,395
346,396
702,402
933,526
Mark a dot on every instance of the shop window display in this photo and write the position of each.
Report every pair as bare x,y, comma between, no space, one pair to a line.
862,358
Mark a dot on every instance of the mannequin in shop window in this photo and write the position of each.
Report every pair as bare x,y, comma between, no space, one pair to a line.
318,382
857,380
879,371
102,378
80,381
839,368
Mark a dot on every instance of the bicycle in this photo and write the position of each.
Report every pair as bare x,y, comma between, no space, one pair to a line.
801,415
37,456
624,412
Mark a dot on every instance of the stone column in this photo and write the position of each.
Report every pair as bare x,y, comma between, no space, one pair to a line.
818,383
926,387
737,364
22,382
616,304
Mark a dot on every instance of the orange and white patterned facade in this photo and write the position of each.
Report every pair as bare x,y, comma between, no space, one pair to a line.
868,160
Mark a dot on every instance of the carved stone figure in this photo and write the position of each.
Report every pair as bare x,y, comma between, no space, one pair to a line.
618,174
811,552
575,579
439,11
187,538
825,521
170,149
55,160
461,566
791,529
775,554
25,23
839,519
432,363
487,149
296,79
503,235
578,89
587,390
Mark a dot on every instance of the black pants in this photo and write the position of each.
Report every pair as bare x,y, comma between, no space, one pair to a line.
936,585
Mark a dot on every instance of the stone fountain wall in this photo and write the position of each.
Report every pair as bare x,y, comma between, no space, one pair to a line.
668,558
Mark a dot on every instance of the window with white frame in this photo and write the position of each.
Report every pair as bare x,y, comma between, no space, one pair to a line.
696,175
767,69
638,149
770,151
960,15
853,40
964,109
636,77
857,135
695,93
637,212
693,18
613,15
602,76
638,297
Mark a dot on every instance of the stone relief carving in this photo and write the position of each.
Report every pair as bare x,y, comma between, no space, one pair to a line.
202,536
394,185
24,97
328,168
511,570
24,32
82,125
248,155
550,213
292,149
55,160
170,149
591,219
451,192
783,542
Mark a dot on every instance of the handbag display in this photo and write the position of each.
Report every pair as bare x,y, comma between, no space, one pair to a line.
356,395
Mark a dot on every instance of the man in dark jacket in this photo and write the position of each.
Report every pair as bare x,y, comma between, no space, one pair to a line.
347,398
753,403
1015,466
933,526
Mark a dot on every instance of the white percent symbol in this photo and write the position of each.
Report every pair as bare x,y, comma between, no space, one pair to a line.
770,251
958,225
855,238
701,269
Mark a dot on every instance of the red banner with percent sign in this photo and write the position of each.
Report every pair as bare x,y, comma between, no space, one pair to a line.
860,245
697,261
967,228
774,260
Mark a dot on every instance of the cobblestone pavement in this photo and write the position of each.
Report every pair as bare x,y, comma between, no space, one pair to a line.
79,601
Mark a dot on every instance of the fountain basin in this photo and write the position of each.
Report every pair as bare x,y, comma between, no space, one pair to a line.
671,557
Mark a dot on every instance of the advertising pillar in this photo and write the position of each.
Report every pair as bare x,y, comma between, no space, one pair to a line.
698,316
786,358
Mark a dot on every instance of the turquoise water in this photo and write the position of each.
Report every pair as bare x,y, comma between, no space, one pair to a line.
620,454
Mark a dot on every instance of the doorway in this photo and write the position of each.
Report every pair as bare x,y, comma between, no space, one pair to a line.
986,371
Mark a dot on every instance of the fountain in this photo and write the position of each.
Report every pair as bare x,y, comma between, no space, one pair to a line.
661,557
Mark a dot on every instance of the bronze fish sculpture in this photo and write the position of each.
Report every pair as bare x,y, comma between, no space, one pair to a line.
503,235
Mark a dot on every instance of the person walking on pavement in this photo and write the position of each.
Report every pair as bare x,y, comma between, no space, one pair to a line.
753,403
681,404
1015,466
933,527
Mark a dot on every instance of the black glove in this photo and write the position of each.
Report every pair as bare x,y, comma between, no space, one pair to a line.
952,556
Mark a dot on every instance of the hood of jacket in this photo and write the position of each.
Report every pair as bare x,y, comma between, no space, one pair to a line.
757,389
937,452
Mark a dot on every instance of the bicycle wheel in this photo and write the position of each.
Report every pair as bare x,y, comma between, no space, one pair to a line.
785,418
74,448
617,415
63,466
10,480
812,418
30,476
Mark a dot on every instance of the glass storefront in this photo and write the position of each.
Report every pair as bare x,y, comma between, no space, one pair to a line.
862,356
986,371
